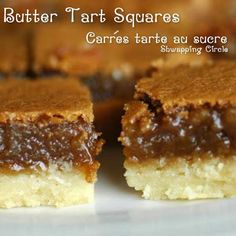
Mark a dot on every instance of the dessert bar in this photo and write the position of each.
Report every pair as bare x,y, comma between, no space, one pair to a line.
48,144
179,133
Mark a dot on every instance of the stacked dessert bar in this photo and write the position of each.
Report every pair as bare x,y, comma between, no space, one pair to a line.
48,143
179,133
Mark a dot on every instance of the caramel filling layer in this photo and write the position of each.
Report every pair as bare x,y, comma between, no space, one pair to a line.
33,146
185,131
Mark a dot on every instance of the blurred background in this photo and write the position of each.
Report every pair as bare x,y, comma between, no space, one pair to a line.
198,17
39,51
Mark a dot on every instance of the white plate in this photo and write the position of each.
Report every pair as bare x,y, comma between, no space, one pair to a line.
119,210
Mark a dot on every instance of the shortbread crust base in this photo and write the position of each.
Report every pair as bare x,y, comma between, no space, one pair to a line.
179,178
46,188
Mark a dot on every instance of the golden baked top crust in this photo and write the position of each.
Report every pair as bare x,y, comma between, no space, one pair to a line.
58,99
212,84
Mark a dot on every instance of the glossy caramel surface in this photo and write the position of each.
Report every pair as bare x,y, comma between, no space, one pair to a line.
150,133
33,146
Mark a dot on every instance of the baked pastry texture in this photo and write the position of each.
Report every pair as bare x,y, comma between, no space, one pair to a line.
179,134
48,144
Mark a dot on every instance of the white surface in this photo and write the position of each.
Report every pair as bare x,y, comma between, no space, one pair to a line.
118,210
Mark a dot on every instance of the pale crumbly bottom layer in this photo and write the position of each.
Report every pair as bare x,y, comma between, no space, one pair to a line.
46,188
200,178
